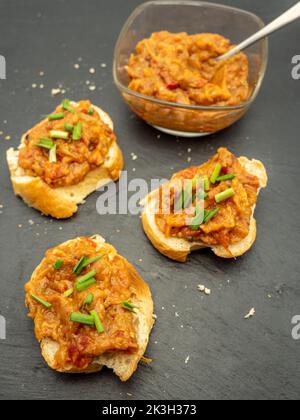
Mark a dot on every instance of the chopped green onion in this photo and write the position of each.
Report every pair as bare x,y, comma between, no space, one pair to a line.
77,131
52,155
82,319
129,306
227,177
97,321
211,214
224,195
87,276
78,267
58,264
91,111
88,300
80,287
46,143
216,173
58,134
206,183
199,217
41,301
92,260
66,104
69,127
68,293
188,194
57,116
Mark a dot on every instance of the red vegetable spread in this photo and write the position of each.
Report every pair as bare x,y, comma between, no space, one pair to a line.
231,220
181,68
74,158
79,344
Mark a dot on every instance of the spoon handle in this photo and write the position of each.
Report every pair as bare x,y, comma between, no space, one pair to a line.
287,17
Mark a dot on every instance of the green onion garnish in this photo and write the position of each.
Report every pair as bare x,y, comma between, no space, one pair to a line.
82,319
211,214
91,111
68,293
224,195
77,269
206,183
80,287
227,177
77,131
188,195
58,264
216,173
58,134
129,306
46,143
87,276
41,301
52,155
92,260
199,217
97,321
88,300
66,104
69,127
57,116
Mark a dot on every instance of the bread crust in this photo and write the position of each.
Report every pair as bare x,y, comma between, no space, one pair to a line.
123,364
179,249
62,203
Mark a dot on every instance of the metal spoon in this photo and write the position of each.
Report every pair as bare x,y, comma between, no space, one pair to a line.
289,16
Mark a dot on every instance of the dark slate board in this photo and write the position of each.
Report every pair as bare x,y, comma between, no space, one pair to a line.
229,356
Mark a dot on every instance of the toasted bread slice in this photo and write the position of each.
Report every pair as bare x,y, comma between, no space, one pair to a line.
123,364
179,249
62,203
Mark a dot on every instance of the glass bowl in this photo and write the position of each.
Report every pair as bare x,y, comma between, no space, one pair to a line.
192,17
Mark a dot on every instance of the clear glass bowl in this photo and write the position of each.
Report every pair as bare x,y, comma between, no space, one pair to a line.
192,17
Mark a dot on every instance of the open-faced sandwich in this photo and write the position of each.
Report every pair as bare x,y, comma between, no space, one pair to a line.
90,308
65,158
211,205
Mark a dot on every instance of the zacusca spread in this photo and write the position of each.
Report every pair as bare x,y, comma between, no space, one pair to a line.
181,68
82,299
220,213
66,146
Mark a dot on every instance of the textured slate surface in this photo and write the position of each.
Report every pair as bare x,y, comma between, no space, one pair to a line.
229,356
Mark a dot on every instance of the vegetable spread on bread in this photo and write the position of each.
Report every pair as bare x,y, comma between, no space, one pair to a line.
64,158
89,301
211,205
67,145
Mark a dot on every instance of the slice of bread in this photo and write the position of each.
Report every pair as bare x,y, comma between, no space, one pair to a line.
122,363
62,202
179,249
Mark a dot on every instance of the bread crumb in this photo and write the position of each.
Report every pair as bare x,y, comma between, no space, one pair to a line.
41,73
92,88
103,65
201,288
189,159
76,66
207,291
55,92
42,86
7,137
34,85
92,70
176,314
250,314
31,222
154,316
187,360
